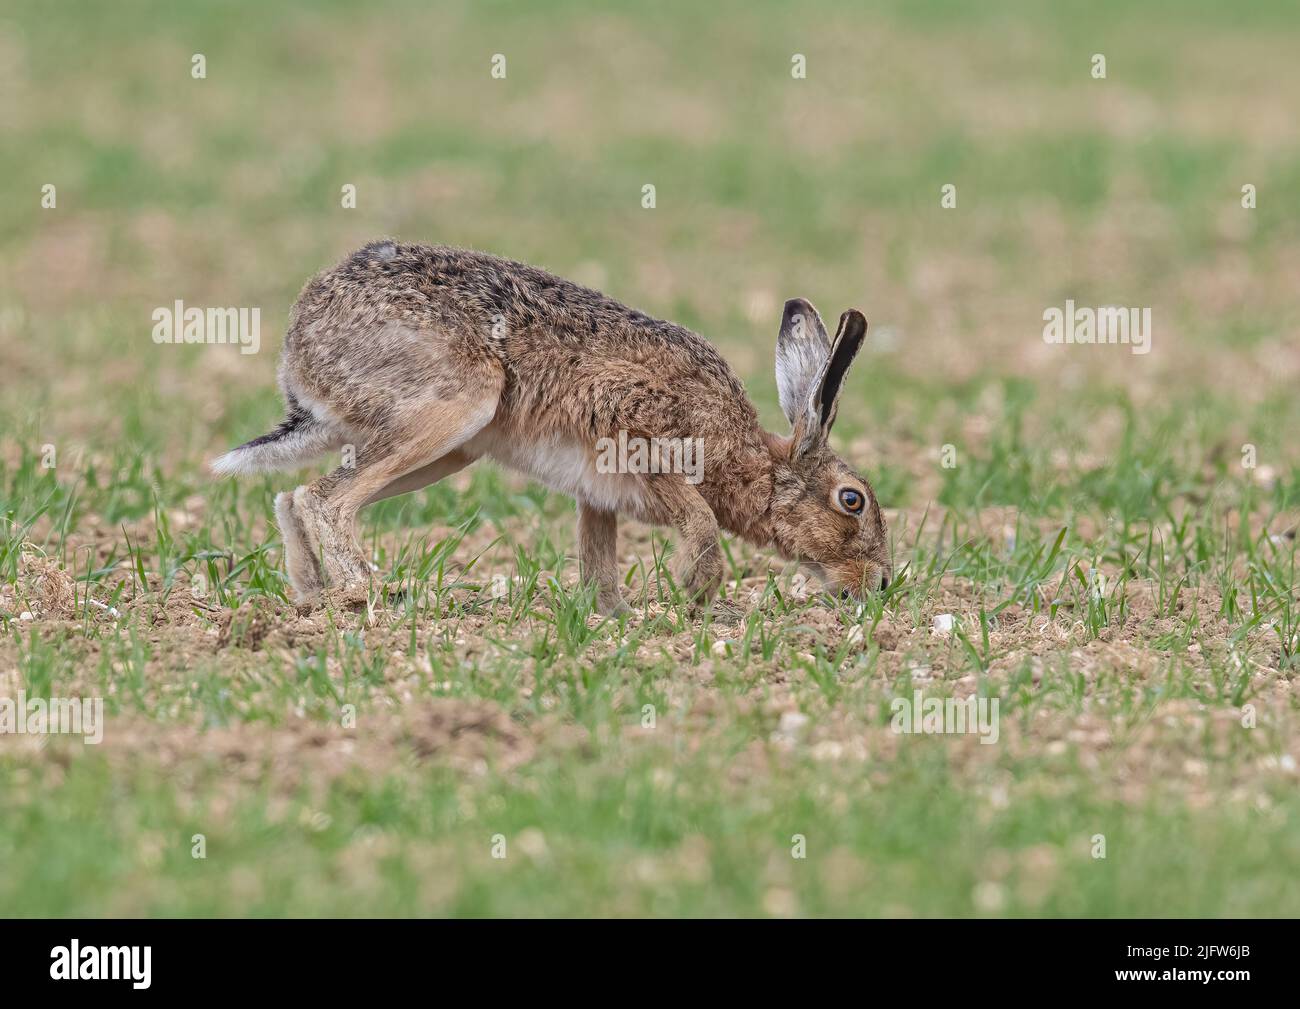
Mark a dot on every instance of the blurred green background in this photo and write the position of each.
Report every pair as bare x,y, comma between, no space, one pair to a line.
227,190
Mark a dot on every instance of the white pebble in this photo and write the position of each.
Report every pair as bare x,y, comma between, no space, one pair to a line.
793,721
790,728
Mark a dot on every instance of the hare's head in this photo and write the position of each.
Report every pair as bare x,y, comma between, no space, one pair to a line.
824,514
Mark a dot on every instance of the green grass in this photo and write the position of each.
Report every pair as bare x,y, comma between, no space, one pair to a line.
1121,584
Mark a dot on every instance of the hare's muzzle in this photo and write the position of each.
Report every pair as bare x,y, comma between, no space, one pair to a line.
882,583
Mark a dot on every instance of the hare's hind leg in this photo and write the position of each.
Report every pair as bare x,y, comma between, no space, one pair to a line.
299,561
418,479
387,464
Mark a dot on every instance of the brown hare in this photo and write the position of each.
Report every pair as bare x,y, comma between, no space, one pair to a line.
425,358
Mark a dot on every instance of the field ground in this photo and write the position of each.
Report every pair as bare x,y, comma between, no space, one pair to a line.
1121,580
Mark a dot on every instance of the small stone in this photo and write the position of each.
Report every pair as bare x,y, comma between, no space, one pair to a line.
790,728
792,722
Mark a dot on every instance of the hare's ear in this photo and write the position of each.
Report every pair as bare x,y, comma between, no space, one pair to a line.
844,348
802,350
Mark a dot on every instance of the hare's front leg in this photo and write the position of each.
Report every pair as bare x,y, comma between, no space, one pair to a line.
598,556
698,570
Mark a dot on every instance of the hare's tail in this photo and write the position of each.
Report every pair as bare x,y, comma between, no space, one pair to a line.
299,438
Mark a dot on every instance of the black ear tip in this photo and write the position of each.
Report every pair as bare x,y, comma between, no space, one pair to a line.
794,307
853,317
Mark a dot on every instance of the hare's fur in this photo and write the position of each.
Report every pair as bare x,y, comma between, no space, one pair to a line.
423,359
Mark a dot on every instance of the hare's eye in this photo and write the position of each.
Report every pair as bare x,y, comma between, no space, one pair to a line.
850,501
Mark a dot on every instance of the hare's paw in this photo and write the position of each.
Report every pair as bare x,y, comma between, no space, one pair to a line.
305,577
610,604
347,569
354,597
331,542
701,577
